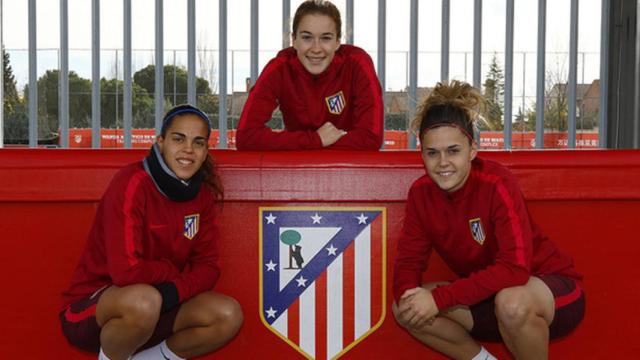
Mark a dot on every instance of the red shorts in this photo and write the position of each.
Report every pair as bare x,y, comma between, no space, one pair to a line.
569,301
81,329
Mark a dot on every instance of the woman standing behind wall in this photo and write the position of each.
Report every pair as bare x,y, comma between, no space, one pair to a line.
328,93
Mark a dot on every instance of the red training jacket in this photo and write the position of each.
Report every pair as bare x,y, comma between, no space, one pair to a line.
347,94
139,237
483,231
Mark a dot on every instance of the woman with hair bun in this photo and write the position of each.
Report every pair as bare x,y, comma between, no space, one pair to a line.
513,284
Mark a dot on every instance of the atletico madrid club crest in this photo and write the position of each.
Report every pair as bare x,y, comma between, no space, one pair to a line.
476,230
336,103
191,225
322,276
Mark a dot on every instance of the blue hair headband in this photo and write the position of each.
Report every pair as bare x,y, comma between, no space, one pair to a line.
184,109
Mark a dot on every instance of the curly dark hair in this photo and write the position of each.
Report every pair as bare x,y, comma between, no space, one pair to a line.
456,103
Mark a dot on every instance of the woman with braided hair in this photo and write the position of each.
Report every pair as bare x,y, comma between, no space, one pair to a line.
513,284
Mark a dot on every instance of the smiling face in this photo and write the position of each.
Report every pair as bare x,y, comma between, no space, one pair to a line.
184,146
447,156
316,42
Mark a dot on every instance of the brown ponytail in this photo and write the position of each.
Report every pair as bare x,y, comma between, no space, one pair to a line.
212,178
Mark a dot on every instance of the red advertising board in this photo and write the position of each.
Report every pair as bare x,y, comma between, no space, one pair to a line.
393,140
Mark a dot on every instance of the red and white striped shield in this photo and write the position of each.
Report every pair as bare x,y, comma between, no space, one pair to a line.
191,225
336,103
322,276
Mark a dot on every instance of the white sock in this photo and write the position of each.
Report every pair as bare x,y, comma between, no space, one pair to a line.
484,355
160,351
103,356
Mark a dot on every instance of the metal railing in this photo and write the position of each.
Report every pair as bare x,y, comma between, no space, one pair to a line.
412,58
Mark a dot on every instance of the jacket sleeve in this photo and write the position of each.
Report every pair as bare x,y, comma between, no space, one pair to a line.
512,263
123,225
414,250
368,120
201,271
254,134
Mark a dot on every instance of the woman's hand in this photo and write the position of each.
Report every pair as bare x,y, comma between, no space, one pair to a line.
329,134
417,308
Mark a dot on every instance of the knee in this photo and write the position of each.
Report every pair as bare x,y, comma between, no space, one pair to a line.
225,315
140,305
513,308
413,329
399,319
230,314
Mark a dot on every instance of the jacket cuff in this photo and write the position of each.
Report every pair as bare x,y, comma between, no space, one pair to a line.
440,298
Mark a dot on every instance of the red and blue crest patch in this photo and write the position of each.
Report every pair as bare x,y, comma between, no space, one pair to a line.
476,230
191,225
336,103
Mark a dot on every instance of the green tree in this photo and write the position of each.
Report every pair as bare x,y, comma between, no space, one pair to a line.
395,121
11,98
588,120
209,103
206,101
556,98
524,121
16,123
556,107
48,102
494,93
530,116
111,107
16,126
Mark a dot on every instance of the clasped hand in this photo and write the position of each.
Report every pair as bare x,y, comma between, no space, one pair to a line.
417,308
329,134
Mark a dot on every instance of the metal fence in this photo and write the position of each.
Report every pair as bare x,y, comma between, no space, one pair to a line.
473,63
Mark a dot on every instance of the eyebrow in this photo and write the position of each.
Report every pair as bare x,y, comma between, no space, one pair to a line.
448,147
305,32
183,135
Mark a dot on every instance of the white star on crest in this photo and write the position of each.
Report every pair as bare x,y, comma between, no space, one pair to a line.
301,281
332,250
271,266
271,313
271,219
362,219
316,218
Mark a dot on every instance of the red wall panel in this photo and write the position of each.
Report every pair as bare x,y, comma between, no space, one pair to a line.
588,202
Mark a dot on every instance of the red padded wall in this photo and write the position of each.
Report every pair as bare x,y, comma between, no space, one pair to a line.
588,202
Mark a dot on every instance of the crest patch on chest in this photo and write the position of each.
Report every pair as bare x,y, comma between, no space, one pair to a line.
336,103
191,225
477,231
